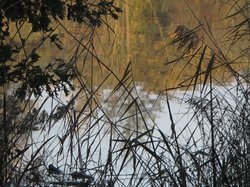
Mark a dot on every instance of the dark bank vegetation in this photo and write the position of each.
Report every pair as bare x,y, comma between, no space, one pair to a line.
58,128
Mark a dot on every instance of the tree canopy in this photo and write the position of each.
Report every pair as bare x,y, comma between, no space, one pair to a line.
40,14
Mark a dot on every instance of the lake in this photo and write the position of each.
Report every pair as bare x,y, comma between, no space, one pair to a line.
142,36
132,119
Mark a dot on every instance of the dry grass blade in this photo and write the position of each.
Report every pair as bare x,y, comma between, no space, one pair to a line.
208,71
32,159
198,70
126,76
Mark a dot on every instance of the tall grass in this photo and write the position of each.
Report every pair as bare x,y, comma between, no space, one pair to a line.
110,138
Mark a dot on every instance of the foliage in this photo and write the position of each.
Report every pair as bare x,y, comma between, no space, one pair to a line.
110,138
40,14
23,69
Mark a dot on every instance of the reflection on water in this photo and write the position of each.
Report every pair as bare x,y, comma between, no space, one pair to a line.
114,116
111,110
142,36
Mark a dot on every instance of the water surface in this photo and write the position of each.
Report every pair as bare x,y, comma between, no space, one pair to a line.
136,50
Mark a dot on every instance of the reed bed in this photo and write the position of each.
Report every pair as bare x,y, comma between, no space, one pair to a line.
94,136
